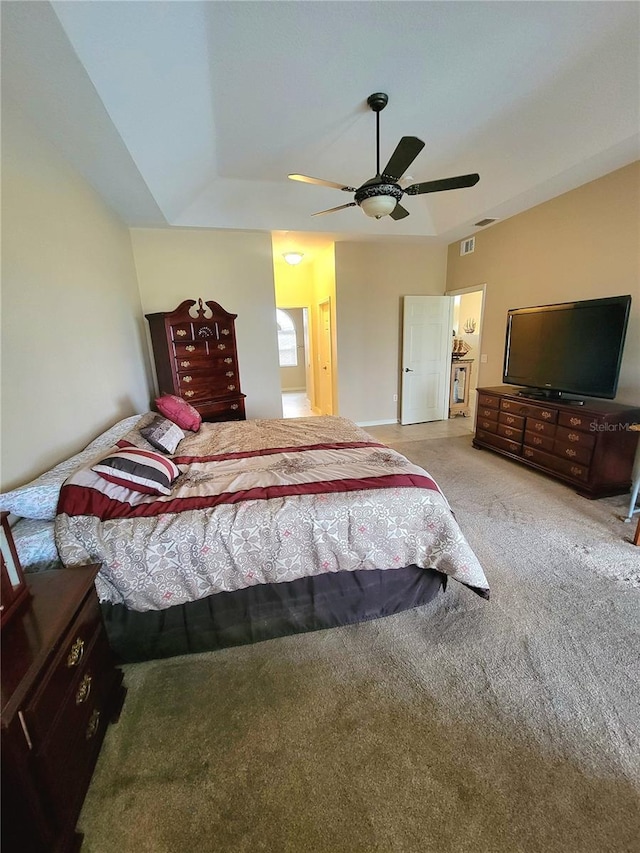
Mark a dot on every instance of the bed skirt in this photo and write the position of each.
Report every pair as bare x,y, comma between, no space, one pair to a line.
266,611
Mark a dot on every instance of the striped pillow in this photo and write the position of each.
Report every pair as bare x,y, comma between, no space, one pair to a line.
139,470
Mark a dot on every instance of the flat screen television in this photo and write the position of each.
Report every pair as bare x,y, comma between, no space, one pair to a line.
567,348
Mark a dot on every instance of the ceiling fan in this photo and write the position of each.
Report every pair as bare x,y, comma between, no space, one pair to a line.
380,196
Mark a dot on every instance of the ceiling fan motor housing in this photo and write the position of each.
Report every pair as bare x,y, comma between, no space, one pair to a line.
376,190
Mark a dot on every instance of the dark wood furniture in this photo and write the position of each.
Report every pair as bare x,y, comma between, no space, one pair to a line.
60,689
588,446
14,591
196,358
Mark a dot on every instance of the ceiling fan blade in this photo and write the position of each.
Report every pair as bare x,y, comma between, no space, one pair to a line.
457,183
399,212
333,209
406,152
307,180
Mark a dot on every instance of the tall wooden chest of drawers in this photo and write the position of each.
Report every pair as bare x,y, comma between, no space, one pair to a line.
60,689
196,358
588,446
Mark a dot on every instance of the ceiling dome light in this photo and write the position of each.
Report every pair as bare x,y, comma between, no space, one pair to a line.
378,205
293,258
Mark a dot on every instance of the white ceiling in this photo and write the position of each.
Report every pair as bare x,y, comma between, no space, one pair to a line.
193,113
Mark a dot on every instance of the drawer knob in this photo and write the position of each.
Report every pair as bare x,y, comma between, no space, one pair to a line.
573,436
188,393
229,373
576,471
76,652
181,333
539,427
228,361
92,726
84,690
185,364
231,387
575,421
222,346
547,415
570,451
234,405
187,378
190,348
528,453
225,331
537,439
511,420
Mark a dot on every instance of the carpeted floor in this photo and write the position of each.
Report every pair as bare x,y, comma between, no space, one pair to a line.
509,726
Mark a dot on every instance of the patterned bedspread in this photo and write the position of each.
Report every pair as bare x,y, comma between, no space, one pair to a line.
261,501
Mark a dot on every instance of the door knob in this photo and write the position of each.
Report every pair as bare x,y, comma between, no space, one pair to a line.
408,370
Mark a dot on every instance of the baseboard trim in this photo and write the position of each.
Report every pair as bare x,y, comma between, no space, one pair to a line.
376,423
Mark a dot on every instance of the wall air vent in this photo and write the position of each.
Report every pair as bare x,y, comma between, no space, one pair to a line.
485,222
467,246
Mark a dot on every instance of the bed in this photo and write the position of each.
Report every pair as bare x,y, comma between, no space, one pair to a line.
270,527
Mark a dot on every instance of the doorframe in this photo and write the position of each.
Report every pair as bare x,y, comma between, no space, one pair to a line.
459,291
325,304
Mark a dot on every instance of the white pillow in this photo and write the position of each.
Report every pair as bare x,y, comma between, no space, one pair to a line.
35,544
39,498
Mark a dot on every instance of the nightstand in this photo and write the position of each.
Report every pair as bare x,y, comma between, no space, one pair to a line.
60,689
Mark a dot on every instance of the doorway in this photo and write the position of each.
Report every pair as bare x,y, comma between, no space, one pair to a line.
295,365
468,310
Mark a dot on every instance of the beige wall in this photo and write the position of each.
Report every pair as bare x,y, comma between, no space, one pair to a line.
582,245
370,283
73,351
233,268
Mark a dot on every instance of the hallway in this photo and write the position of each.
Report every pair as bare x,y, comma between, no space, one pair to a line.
296,405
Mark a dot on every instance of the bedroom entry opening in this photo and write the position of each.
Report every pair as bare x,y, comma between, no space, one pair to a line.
295,362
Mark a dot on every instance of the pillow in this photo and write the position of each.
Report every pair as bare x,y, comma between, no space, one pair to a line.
38,499
179,411
35,544
163,434
139,470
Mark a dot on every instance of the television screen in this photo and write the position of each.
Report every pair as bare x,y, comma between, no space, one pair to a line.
571,347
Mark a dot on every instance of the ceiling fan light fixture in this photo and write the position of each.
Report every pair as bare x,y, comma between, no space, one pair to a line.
378,206
293,258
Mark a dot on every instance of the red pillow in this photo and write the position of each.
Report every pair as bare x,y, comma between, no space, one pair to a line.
179,411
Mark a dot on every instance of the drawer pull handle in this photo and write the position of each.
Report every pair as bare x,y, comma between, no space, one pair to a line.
234,405
511,420
187,378
190,348
94,722
570,451
229,373
575,470
76,653
573,436
185,364
189,393
181,333
539,427
222,346
575,421
228,361
225,331
528,453
537,439
84,690
506,405
547,415
231,387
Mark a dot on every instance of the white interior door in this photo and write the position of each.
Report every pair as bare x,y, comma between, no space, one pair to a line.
426,358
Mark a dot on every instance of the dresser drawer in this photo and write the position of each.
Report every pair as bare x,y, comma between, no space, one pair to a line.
65,671
540,427
575,420
489,401
189,349
572,452
488,414
500,442
509,420
510,432
542,413
553,463
540,442
223,410
486,424
575,437
182,332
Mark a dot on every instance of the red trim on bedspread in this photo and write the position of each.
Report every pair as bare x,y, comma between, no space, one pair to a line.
81,500
246,454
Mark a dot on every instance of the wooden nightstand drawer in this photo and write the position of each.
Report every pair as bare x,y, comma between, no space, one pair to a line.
65,671
489,401
223,410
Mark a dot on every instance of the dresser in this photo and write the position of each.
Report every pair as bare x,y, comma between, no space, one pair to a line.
60,689
588,446
196,358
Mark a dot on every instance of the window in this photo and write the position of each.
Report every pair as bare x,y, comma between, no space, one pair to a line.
287,339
